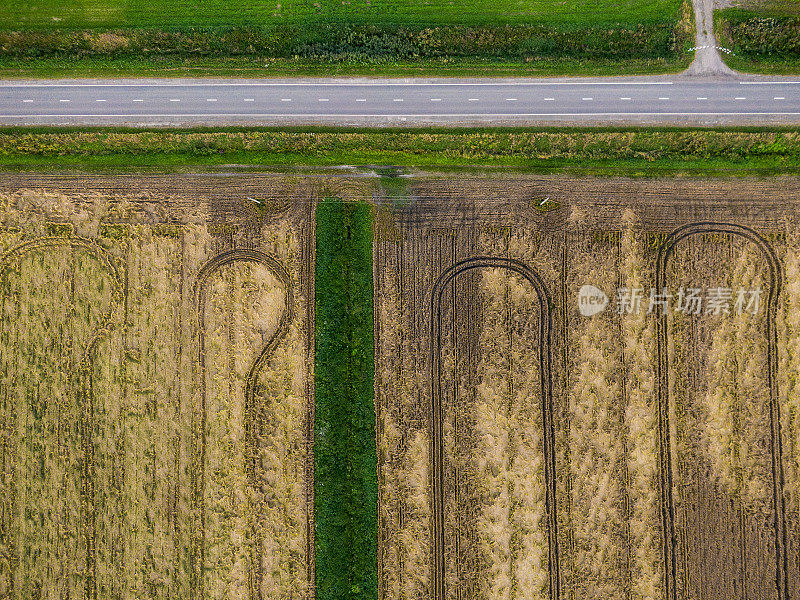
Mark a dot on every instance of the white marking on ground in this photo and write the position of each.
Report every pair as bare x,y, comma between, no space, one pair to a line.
511,99
249,99
624,98
211,99
702,98
779,98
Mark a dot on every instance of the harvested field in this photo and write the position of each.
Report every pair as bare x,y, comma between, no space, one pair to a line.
157,400
157,394
628,456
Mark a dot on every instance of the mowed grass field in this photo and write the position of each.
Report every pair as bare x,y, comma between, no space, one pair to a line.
101,14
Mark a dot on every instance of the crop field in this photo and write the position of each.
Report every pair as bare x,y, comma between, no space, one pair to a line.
268,38
154,425
528,451
92,14
186,381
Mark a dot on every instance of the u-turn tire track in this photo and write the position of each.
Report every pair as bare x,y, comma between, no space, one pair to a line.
85,387
665,453
545,362
197,555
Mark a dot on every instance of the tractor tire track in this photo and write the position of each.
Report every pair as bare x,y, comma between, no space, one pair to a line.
197,554
665,453
85,390
545,360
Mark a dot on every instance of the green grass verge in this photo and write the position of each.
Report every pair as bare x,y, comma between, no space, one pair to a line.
534,37
763,40
602,151
345,459
246,66
302,14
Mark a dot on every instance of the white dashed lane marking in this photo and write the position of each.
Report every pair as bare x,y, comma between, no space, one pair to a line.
27,100
624,98
286,99
63,100
549,98
472,99
779,98
587,98
511,99
323,99
436,99
398,99
211,99
100,100
249,99
740,98
361,99
702,98
174,99
663,98
138,100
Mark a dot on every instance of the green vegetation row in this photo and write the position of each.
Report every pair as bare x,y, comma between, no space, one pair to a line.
345,460
303,14
634,151
362,44
761,40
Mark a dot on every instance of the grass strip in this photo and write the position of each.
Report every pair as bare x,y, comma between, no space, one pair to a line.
254,66
762,41
631,151
345,459
362,37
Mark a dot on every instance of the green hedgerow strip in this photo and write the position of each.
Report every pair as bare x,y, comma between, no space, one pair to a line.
345,459
337,42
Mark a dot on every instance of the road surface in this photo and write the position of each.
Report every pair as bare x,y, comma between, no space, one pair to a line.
679,99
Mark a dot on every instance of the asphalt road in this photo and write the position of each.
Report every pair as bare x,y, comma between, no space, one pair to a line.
679,99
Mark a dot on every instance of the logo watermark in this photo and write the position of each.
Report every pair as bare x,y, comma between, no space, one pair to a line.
591,300
693,301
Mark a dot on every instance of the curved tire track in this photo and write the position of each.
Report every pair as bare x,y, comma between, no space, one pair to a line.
85,388
545,362
197,555
665,453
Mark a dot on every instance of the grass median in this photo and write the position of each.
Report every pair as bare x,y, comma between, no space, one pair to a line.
620,151
345,460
